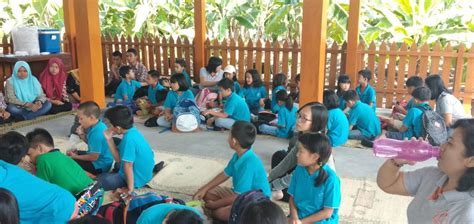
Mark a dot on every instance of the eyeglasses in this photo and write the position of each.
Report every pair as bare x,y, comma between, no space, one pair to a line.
300,117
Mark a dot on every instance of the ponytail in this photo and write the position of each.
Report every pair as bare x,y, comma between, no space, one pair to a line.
322,177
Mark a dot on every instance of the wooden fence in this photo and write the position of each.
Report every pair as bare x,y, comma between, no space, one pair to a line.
392,63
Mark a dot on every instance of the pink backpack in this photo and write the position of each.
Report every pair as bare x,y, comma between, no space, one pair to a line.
204,98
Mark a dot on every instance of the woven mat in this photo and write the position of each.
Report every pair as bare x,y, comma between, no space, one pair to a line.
15,125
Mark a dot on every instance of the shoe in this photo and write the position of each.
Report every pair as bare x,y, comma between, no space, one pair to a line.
367,143
158,167
151,122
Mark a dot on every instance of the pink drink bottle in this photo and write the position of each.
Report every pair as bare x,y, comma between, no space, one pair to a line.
412,150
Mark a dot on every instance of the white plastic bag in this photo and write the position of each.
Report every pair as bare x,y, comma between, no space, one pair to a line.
25,38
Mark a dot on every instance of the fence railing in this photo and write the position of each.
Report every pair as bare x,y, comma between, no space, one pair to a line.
391,64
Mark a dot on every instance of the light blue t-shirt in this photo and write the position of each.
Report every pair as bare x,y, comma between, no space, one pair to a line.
310,199
97,144
275,106
410,104
188,78
172,98
247,173
38,200
156,214
368,96
237,88
338,127
365,119
414,121
236,108
287,120
126,89
252,96
342,103
135,149
152,93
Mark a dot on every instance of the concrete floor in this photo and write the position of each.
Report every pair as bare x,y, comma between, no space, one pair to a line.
362,201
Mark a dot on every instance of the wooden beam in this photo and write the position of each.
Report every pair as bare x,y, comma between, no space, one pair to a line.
199,36
89,51
313,50
70,26
353,40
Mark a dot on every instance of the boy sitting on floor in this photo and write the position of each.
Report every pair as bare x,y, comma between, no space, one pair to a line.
245,168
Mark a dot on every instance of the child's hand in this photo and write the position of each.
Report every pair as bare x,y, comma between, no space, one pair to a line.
200,194
169,117
294,221
108,134
80,130
71,153
262,102
5,115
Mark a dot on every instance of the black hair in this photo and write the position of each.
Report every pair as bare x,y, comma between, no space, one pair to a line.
330,99
263,212
422,93
90,109
89,219
466,182
120,116
319,116
340,80
283,96
154,74
39,136
226,83
13,146
279,80
184,216
9,211
181,62
298,77
124,70
244,132
366,73
133,51
350,95
213,63
256,79
317,143
414,81
117,54
161,95
436,85
181,80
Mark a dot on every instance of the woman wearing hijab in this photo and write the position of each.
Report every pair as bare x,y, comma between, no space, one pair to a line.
53,80
24,95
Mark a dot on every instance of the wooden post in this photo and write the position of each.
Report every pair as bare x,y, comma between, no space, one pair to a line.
89,51
313,50
353,40
70,26
199,37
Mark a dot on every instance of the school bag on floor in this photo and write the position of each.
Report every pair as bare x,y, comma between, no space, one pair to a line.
204,98
89,199
187,115
121,212
243,201
434,127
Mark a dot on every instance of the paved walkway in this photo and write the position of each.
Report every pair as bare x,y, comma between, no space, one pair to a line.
192,159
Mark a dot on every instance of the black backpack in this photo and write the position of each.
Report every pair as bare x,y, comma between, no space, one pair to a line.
434,127
242,202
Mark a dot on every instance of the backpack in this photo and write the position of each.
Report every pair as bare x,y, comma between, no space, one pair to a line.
434,127
204,98
121,212
243,201
89,199
187,115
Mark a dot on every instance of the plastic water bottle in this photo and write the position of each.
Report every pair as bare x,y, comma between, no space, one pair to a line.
412,150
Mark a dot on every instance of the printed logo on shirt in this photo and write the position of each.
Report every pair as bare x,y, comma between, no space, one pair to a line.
441,218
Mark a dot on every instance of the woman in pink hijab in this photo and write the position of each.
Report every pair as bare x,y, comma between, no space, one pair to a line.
53,80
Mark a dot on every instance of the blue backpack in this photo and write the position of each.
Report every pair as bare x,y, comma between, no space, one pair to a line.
186,115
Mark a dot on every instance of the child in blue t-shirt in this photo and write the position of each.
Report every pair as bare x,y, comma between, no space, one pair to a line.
38,200
366,93
279,83
412,83
134,154
97,159
314,188
284,126
363,117
126,89
148,104
235,108
179,90
180,67
338,125
170,213
245,168
254,91
343,85
413,121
